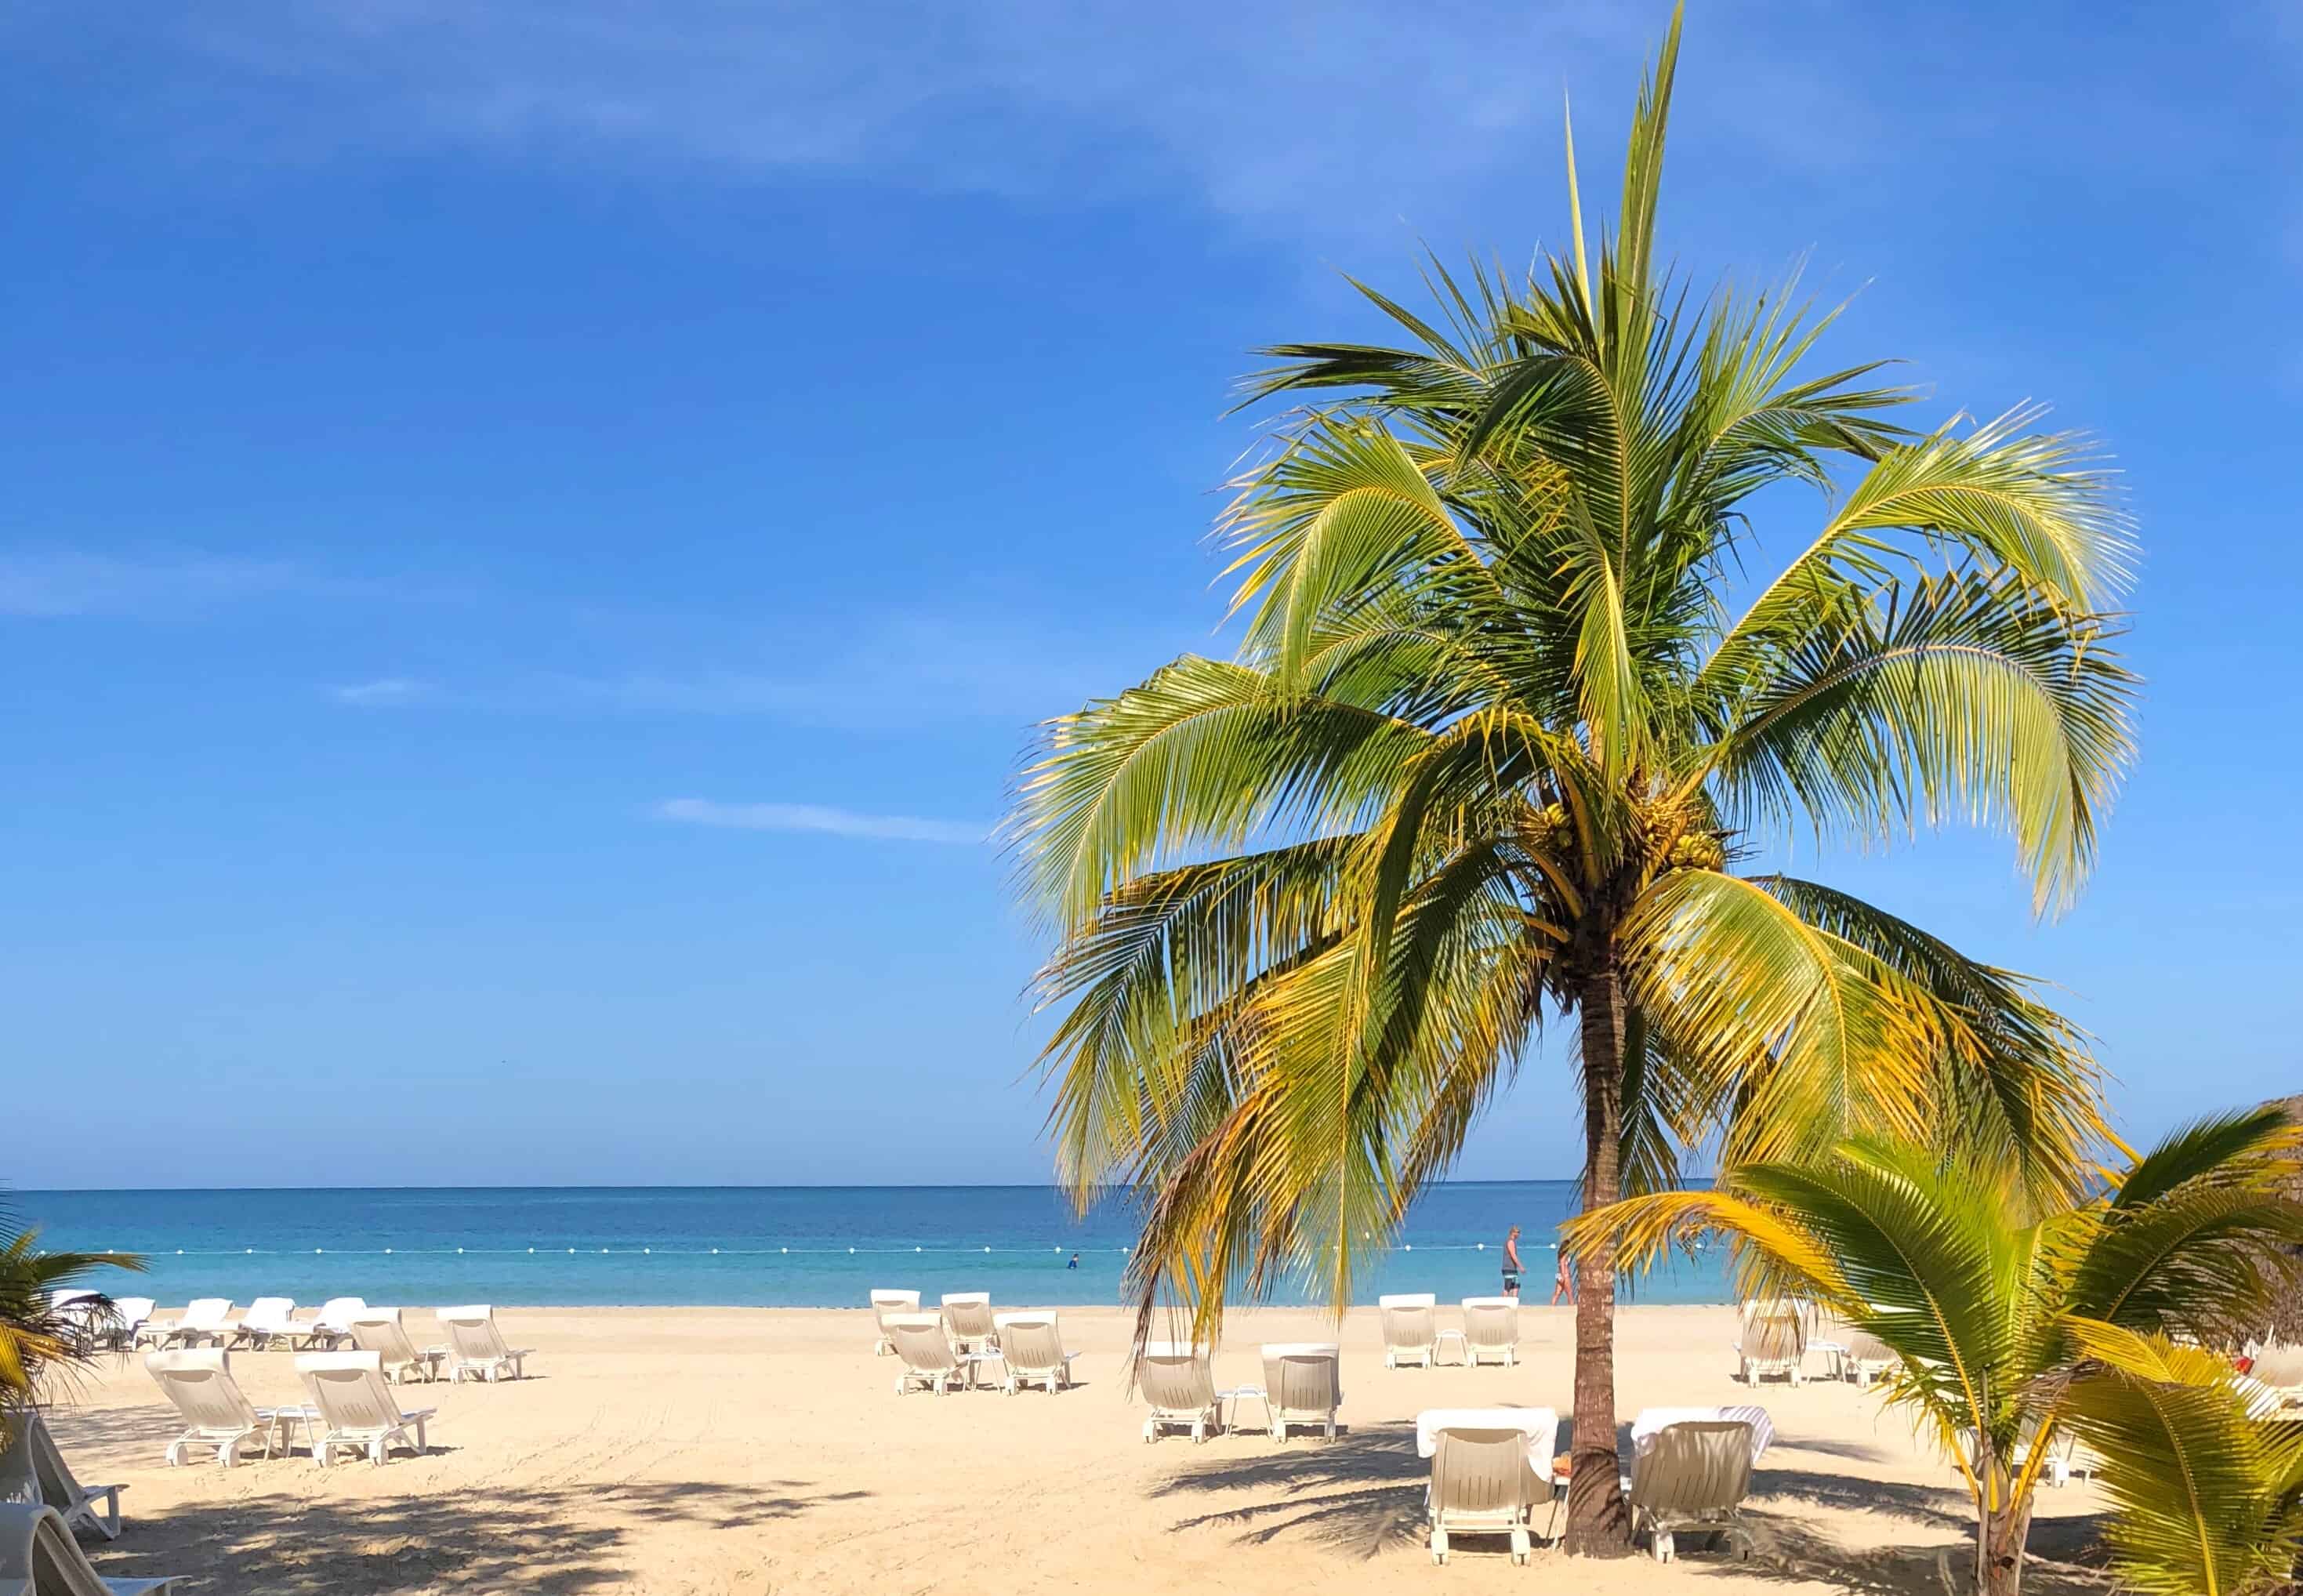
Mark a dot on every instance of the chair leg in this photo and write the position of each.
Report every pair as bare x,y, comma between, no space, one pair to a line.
1439,1544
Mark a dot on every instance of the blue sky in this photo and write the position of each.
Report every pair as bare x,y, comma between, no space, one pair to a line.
534,532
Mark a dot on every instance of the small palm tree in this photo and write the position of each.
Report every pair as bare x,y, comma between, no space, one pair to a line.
2001,1309
1497,747
2207,1496
33,1334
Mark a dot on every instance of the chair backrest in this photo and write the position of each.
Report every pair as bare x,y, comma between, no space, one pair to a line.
472,1332
2279,1366
270,1313
1491,1320
887,1300
1030,1342
199,1380
1652,1422
1300,1377
920,1340
968,1313
380,1331
1175,1377
1775,1333
336,1313
1410,1320
42,1462
207,1313
1864,1348
1481,1471
349,1390
1697,1465
129,1313
39,1557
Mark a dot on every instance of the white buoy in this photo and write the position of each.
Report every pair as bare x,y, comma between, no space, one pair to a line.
315,1250
387,1251
531,1249
1483,1246
249,1250
460,1252
715,1251
851,1252
784,1249
572,1251
180,1252
987,1249
643,1249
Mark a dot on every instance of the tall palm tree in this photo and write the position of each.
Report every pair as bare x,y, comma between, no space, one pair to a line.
1495,747
2015,1319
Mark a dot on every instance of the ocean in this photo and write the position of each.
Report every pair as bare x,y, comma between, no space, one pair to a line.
753,1247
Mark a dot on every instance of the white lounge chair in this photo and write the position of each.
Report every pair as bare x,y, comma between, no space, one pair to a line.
356,1407
1773,1341
380,1331
931,1362
1302,1385
887,1300
1491,1330
1489,1467
39,1557
32,1469
207,1321
2279,1369
967,1315
1031,1347
330,1328
1864,1357
215,1412
268,1318
1411,1329
1178,1380
477,1349
124,1326
1692,1475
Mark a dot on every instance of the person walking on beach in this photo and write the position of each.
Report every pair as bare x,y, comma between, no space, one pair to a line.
1511,1263
1563,1281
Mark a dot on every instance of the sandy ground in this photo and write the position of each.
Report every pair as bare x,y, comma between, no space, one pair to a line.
758,1450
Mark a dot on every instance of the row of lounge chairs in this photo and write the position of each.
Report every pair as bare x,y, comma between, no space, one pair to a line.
476,1347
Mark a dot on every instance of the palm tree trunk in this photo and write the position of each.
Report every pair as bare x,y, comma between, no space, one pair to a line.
2000,1553
1598,1523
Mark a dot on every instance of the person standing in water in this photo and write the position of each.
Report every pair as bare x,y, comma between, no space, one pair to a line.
1511,1263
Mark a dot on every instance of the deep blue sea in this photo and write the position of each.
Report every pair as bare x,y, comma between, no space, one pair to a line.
771,1247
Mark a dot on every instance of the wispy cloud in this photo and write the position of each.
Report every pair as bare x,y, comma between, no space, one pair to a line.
820,818
383,691
51,583
1278,109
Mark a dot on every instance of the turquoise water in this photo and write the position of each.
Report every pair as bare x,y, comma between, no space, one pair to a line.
771,1247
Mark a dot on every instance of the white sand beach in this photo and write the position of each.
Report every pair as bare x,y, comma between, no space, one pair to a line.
758,1450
